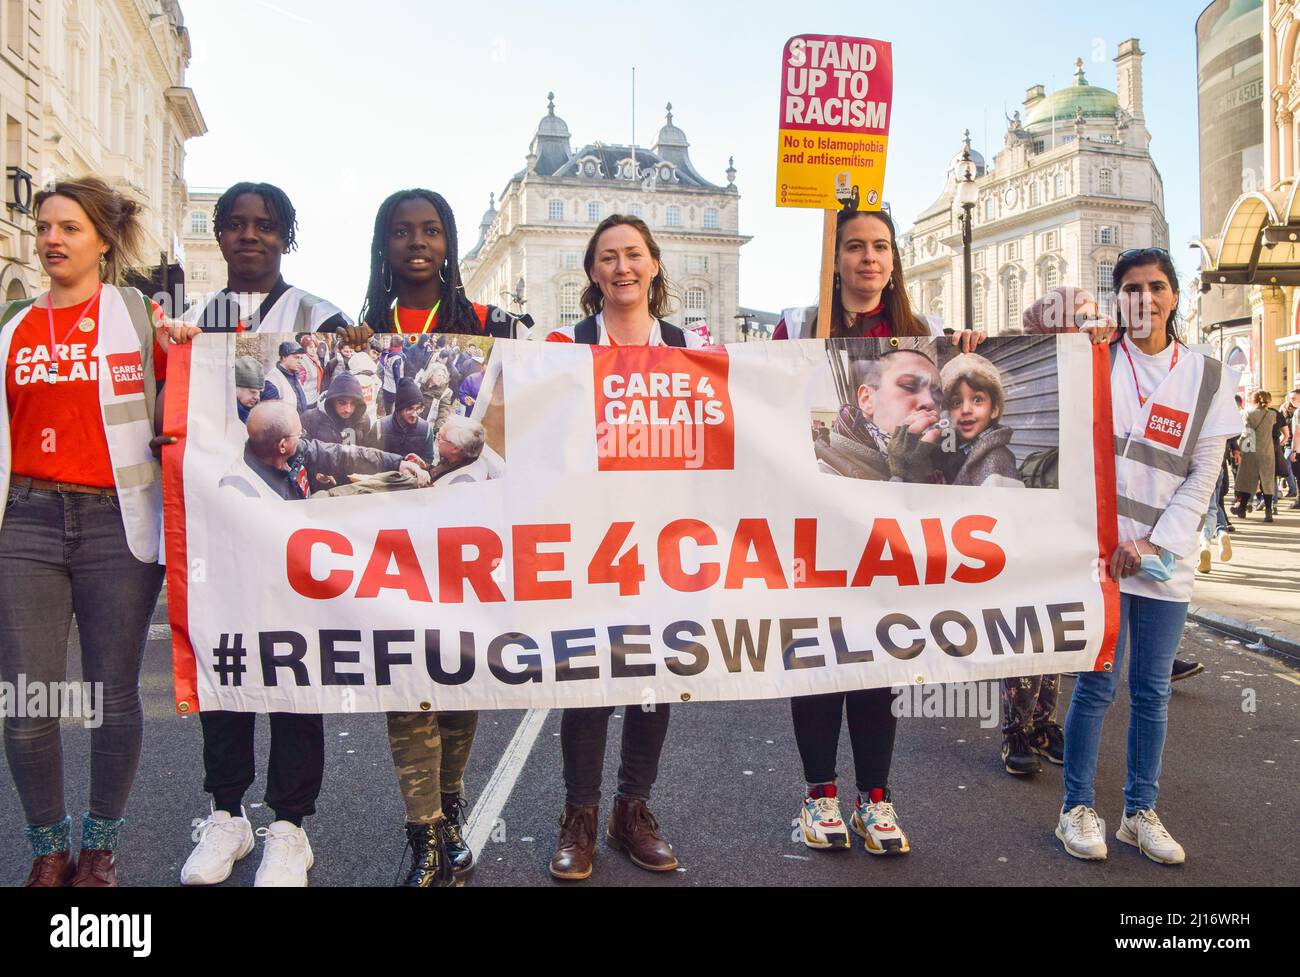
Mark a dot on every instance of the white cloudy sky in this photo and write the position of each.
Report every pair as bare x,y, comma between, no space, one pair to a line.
342,103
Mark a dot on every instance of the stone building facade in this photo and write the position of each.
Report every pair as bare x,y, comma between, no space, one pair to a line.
102,92
1073,185
536,231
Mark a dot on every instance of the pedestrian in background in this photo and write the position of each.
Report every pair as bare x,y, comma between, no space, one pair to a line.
1256,472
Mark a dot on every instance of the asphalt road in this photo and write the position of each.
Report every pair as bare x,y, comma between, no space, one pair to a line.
730,785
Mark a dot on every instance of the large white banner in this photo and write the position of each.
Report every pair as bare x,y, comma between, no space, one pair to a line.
652,524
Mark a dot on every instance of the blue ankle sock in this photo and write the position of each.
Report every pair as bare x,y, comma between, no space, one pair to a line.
99,833
49,839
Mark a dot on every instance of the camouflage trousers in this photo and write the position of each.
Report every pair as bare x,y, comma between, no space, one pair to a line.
1029,702
430,752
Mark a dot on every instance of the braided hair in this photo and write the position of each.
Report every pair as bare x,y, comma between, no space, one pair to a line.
277,204
456,313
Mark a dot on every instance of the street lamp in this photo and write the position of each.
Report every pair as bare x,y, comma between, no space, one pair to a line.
967,194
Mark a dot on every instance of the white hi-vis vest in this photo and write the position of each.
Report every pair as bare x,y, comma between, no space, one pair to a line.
293,311
126,400
1154,443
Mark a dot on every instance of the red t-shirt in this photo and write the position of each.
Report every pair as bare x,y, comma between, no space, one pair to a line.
57,429
414,320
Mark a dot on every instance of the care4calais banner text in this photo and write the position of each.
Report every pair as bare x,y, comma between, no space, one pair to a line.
633,525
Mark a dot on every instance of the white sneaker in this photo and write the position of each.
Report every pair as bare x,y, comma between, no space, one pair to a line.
286,856
877,823
222,841
1203,561
1144,831
1082,833
1225,547
821,823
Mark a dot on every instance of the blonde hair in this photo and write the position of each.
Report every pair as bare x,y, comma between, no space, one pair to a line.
115,216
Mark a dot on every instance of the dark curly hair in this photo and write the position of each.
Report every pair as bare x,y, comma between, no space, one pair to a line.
456,314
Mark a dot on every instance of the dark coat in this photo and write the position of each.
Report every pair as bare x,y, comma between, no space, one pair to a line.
402,440
322,422
986,456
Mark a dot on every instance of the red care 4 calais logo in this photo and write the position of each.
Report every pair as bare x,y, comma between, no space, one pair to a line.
1166,426
127,373
661,408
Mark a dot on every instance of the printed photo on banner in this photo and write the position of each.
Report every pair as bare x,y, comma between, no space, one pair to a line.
920,410
312,416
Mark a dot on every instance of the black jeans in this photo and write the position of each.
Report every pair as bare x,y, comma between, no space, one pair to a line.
582,739
872,724
293,775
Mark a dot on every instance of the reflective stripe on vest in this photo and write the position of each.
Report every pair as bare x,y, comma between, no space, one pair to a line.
1147,470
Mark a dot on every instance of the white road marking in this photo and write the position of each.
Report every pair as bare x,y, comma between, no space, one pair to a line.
483,818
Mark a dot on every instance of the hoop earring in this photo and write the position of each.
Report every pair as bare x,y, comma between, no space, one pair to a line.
386,276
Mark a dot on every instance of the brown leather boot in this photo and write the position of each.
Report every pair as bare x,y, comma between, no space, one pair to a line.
633,829
96,869
52,871
577,845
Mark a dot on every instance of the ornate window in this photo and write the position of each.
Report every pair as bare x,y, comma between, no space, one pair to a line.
697,303
593,211
711,219
570,260
697,264
569,310
1033,194
555,210
1051,277
634,210
990,209
674,218
198,222
977,303
1105,296
1106,235
1104,182
977,260
1058,188
1013,250
1013,305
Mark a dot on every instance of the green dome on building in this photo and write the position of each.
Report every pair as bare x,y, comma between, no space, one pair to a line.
1060,107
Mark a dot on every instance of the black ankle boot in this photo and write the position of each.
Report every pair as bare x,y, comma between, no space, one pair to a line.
1268,508
453,819
1239,510
430,867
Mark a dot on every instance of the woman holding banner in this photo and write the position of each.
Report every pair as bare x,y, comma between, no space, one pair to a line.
1173,411
82,519
626,297
869,301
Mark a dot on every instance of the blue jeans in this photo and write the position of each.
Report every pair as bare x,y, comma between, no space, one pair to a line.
60,555
1149,630
1290,470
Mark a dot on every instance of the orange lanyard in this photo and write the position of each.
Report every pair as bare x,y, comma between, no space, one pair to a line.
1173,362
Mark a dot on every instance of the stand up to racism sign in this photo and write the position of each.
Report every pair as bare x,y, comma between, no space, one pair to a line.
834,125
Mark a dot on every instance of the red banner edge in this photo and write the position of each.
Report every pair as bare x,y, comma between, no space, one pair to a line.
176,412
1103,450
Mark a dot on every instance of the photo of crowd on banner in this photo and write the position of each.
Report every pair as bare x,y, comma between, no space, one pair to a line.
921,410
323,418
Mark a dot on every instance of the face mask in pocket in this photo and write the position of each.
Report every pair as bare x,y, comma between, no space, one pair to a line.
1159,568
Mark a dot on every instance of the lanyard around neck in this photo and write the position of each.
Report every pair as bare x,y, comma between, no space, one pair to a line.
397,322
49,313
1173,362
